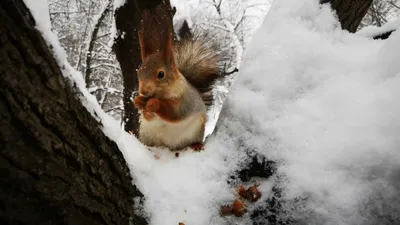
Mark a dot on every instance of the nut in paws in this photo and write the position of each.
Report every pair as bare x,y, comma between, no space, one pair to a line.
153,105
140,102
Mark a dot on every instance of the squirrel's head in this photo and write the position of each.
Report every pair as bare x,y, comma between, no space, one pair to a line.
158,74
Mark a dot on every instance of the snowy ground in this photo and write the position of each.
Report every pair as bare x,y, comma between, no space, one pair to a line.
319,101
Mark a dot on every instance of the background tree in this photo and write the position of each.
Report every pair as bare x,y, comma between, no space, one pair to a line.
381,12
354,15
84,28
56,165
350,12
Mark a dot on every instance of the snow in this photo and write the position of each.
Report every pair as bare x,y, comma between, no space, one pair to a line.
119,3
113,29
319,101
183,11
40,11
372,31
323,103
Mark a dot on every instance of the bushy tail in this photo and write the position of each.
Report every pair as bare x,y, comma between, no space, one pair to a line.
198,59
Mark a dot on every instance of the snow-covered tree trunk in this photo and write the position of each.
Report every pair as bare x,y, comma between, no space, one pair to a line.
56,165
127,50
350,12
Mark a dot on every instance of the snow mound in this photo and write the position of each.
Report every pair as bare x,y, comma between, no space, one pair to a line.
319,101
323,104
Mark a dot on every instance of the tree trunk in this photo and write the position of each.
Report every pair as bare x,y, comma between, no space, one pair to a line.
56,165
350,12
127,50
184,31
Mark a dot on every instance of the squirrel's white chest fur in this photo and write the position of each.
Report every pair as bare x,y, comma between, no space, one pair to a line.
158,132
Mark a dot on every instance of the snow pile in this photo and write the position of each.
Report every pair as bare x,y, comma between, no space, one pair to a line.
324,104
319,101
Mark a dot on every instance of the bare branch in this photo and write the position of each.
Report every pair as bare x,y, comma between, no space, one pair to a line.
92,41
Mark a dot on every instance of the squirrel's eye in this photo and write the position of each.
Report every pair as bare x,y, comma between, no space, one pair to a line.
160,75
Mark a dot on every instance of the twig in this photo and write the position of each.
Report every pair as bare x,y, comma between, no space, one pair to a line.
225,73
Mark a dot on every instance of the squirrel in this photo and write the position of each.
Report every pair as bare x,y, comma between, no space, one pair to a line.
175,80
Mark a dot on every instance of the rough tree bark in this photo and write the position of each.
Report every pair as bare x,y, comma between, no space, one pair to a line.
126,47
350,12
56,165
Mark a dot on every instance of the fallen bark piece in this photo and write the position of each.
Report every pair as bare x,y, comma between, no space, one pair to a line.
226,210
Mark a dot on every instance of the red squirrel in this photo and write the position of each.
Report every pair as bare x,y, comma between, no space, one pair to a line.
175,79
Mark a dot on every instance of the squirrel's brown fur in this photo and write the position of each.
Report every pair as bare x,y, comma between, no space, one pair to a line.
175,80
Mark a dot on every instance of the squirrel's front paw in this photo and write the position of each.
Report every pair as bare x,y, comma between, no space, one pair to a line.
148,116
197,147
140,102
153,105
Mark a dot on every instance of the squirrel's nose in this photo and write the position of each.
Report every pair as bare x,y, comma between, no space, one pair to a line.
144,93
146,90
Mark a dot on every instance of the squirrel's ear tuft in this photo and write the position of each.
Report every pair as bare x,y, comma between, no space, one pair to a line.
167,52
144,50
166,35
147,35
156,34
166,46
